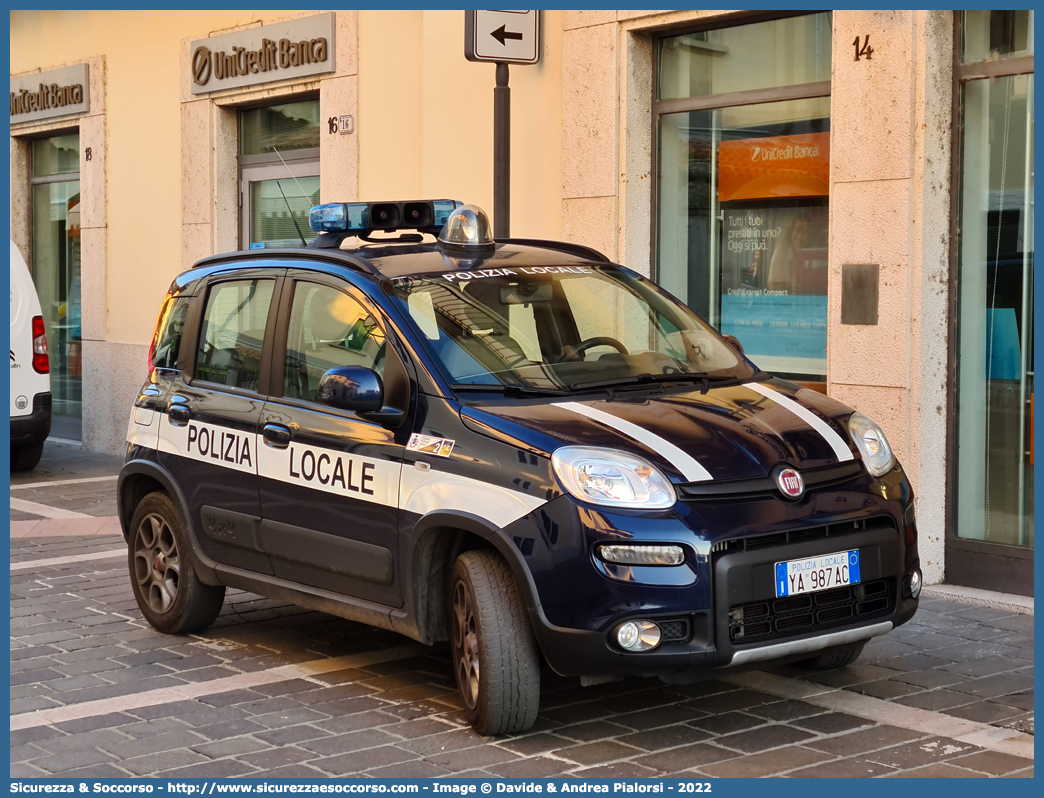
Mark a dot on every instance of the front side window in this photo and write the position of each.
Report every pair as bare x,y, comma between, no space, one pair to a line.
560,329
328,329
233,332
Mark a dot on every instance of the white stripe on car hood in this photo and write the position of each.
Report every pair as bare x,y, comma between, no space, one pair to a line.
688,466
836,442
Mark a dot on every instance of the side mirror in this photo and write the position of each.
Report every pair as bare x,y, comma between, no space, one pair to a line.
732,339
352,388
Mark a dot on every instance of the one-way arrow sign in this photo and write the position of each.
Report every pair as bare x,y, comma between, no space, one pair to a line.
510,37
500,34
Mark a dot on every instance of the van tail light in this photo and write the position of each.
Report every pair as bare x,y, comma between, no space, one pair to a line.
41,363
156,332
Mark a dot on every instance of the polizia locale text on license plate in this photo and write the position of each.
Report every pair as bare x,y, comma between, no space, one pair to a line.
817,573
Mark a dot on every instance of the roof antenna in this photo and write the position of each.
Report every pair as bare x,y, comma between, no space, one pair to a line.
303,194
292,219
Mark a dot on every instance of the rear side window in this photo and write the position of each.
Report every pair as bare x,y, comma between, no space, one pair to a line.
167,341
233,331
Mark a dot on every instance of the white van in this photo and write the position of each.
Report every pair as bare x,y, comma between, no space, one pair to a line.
30,370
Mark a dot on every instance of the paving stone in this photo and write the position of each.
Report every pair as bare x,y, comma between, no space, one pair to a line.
1016,700
26,771
860,742
763,738
1022,774
936,700
26,753
297,771
233,746
361,720
276,757
577,713
727,723
358,761
446,741
533,744
930,679
596,753
658,716
291,735
595,730
615,770
940,770
538,767
232,728
107,721
664,737
854,768
422,727
832,723
34,733
217,769
346,743
766,763
68,760
414,769
687,756
79,742
983,712
993,762
886,689
470,758
127,749
997,685
784,710
921,752
102,771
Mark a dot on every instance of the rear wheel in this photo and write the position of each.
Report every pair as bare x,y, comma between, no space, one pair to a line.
495,656
834,657
27,457
168,592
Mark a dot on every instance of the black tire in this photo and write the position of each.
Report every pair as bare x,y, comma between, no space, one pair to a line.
495,656
834,657
162,572
27,457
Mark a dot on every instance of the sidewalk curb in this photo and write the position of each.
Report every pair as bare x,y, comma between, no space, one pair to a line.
1023,605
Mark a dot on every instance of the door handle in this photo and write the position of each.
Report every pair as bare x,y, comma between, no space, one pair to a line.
276,435
178,414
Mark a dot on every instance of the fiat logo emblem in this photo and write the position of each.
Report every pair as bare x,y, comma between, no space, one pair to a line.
790,483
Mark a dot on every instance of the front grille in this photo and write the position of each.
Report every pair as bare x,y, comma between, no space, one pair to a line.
800,535
810,612
674,630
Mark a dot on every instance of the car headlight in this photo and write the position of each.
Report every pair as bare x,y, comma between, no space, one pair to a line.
612,478
872,444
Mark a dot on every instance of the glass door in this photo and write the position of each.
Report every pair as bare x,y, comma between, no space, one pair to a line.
55,185
992,524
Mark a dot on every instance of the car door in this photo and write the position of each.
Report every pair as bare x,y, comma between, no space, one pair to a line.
329,479
209,437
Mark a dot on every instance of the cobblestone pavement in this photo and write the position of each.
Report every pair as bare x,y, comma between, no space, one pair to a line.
278,691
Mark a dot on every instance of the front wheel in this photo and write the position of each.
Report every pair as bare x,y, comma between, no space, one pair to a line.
164,581
834,657
27,457
495,656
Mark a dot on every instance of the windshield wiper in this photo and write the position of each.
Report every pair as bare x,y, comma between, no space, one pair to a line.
642,380
507,390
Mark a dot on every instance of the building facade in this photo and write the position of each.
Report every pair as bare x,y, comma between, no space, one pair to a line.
847,192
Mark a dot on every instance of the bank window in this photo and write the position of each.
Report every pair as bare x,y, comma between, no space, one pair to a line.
328,329
279,173
993,493
743,162
233,332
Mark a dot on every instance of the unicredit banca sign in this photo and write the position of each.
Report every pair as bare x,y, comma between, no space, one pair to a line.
292,49
44,95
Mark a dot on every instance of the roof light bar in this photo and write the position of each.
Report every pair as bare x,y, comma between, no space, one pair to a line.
360,218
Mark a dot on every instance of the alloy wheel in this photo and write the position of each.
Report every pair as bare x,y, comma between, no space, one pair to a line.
157,566
466,645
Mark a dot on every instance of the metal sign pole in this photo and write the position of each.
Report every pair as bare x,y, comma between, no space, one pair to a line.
502,154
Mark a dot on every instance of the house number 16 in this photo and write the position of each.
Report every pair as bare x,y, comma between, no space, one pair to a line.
866,49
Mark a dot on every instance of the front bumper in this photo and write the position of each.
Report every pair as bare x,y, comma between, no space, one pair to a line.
726,615
35,427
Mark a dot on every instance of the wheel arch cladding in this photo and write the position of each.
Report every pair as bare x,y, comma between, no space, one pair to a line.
438,540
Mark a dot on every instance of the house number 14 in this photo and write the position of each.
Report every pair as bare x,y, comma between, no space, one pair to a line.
866,49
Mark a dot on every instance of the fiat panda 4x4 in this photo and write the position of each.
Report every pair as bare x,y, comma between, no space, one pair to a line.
514,446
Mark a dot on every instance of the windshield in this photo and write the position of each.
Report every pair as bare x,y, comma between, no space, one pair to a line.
560,328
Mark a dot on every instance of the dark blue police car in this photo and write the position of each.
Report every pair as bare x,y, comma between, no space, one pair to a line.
517,447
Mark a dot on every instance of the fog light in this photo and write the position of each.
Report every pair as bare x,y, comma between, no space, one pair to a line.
915,584
638,635
642,555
